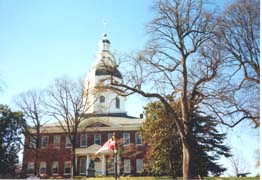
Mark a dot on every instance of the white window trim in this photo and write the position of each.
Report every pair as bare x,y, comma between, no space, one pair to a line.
109,135
33,165
58,145
125,138
42,162
32,142
57,168
100,137
83,136
136,135
42,140
141,170
66,145
125,166
69,162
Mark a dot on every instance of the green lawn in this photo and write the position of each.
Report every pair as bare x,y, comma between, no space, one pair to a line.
128,178
166,178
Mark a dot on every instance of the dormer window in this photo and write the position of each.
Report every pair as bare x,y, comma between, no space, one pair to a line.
102,99
117,103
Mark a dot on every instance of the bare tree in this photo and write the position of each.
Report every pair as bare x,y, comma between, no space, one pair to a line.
31,103
185,61
239,30
2,85
238,36
177,63
66,102
237,165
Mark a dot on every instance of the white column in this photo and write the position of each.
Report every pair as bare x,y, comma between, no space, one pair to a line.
103,165
75,163
118,163
87,163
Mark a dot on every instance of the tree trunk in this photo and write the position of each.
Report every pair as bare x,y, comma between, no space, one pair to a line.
73,163
172,165
186,143
187,152
37,149
36,168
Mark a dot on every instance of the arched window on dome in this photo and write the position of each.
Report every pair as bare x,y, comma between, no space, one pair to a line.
117,102
102,99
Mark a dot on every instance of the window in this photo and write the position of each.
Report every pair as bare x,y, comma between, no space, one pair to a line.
117,102
138,139
126,138
97,139
42,168
32,142
111,165
57,140
68,142
102,99
55,168
127,166
109,135
83,140
30,168
139,165
67,168
44,142
82,166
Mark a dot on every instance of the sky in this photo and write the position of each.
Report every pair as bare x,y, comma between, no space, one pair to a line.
42,40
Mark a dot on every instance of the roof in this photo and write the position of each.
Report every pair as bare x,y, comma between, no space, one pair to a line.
91,150
112,122
111,115
100,71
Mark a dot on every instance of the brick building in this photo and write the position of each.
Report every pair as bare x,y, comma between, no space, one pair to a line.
108,116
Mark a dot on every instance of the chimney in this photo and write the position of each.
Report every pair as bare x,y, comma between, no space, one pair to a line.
141,116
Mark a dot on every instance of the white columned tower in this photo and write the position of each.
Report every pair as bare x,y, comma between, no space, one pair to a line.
104,101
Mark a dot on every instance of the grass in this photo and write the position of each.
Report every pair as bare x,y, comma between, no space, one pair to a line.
166,178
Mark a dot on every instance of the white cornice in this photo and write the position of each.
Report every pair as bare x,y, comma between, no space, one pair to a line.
109,124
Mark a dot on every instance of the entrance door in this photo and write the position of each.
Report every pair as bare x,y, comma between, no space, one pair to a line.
83,166
98,166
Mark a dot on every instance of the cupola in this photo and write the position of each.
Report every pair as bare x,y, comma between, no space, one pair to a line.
105,101
104,44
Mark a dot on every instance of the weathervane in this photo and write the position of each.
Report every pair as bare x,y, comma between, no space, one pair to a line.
104,22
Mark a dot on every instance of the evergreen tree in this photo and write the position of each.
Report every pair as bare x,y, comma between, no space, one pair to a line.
208,146
160,134
164,155
10,139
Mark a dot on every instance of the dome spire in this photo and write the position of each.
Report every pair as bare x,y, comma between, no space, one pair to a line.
104,43
104,22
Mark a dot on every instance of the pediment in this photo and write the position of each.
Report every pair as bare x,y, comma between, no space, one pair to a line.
93,148
100,122
89,150
97,124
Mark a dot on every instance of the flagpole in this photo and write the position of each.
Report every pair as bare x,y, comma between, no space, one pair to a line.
115,152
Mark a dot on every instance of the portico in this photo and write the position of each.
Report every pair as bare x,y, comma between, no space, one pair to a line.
86,155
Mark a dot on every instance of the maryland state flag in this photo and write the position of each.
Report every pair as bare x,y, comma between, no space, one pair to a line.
109,145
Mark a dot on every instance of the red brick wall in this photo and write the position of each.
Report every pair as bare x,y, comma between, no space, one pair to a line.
63,154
